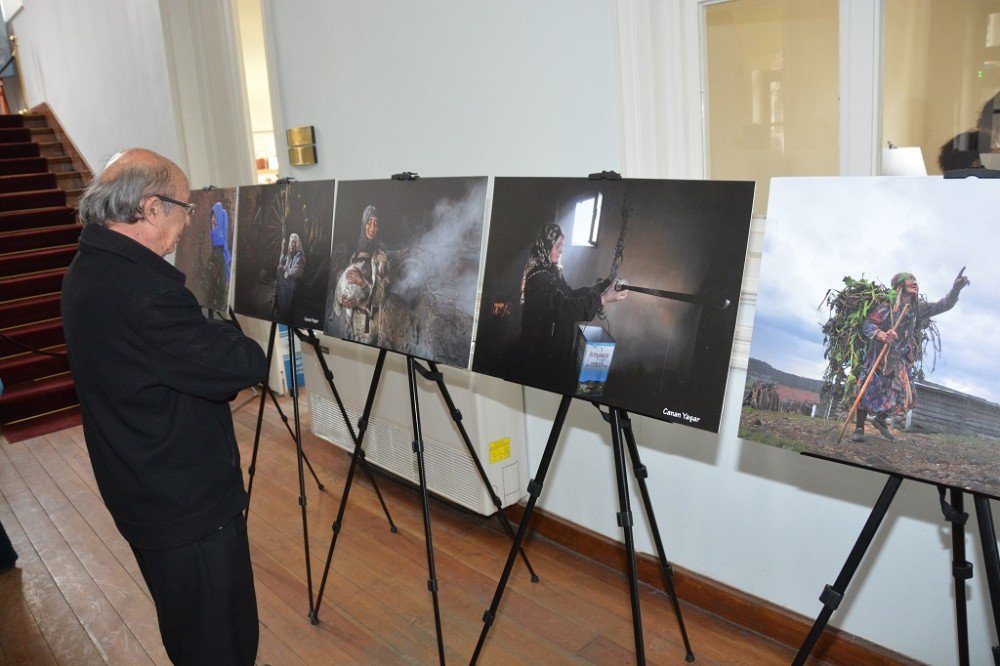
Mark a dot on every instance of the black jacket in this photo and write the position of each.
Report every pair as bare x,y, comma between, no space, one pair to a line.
154,377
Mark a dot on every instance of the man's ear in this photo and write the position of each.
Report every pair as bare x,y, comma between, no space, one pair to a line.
153,211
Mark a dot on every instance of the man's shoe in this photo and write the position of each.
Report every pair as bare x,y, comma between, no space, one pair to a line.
883,428
859,435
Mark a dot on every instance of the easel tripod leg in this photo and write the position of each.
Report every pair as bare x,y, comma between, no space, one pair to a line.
625,522
251,470
666,572
534,489
833,595
313,341
356,456
991,561
302,478
456,416
284,419
961,570
418,449
378,493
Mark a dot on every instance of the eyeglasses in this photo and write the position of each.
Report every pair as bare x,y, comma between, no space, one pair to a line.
189,208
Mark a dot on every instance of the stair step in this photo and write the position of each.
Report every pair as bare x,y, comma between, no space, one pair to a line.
34,120
11,120
10,151
71,180
43,424
41,134
29,399
28,182
38,239
29,310
35,284
17,263
32,199
23,165
15,135
30,366
58,165
36,217
37,336
49,149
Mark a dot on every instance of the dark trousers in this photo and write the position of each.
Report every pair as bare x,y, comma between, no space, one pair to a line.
204,595
7,554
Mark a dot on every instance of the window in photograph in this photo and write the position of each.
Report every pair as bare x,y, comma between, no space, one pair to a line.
586,221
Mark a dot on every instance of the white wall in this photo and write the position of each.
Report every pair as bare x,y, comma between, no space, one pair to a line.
447,88
101,67
527,88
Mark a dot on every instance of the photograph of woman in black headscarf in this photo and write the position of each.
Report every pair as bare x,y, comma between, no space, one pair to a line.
615,291
551,309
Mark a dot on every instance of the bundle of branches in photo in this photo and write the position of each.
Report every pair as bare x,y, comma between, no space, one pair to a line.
845,345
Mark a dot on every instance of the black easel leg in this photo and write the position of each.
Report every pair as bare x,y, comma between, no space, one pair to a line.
418,448
991,561
251,470
302,478
625,522
456,416
833,595
666,572
534,489
962,571
378,493
355,457
313,341
288,426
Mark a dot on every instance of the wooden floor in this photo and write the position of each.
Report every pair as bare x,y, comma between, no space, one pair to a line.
76,596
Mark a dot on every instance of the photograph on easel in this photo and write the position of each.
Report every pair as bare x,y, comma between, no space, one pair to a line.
872,341
205,249
406,265
283,252
623,292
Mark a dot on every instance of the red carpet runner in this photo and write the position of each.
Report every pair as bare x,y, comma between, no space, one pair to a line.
38,235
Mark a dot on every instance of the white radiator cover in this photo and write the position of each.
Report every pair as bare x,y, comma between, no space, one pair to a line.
492,411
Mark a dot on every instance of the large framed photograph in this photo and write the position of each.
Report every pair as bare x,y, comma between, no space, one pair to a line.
621,292
205,249
405,263
283,252
871,345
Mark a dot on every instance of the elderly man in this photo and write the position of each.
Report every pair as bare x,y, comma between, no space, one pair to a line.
154,379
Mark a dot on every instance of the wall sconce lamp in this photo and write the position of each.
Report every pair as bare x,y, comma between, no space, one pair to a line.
301,145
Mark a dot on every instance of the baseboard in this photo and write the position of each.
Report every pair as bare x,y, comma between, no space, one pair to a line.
755,614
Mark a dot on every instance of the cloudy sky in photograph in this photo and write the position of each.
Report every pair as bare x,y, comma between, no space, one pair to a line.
819,230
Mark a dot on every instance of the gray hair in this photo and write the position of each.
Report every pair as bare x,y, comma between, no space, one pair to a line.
116,199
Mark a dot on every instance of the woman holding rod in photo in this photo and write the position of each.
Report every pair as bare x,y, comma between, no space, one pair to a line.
551,308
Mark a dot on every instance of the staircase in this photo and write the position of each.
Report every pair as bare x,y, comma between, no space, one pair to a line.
41,179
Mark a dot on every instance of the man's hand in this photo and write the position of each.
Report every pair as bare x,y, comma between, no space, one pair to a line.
348,303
